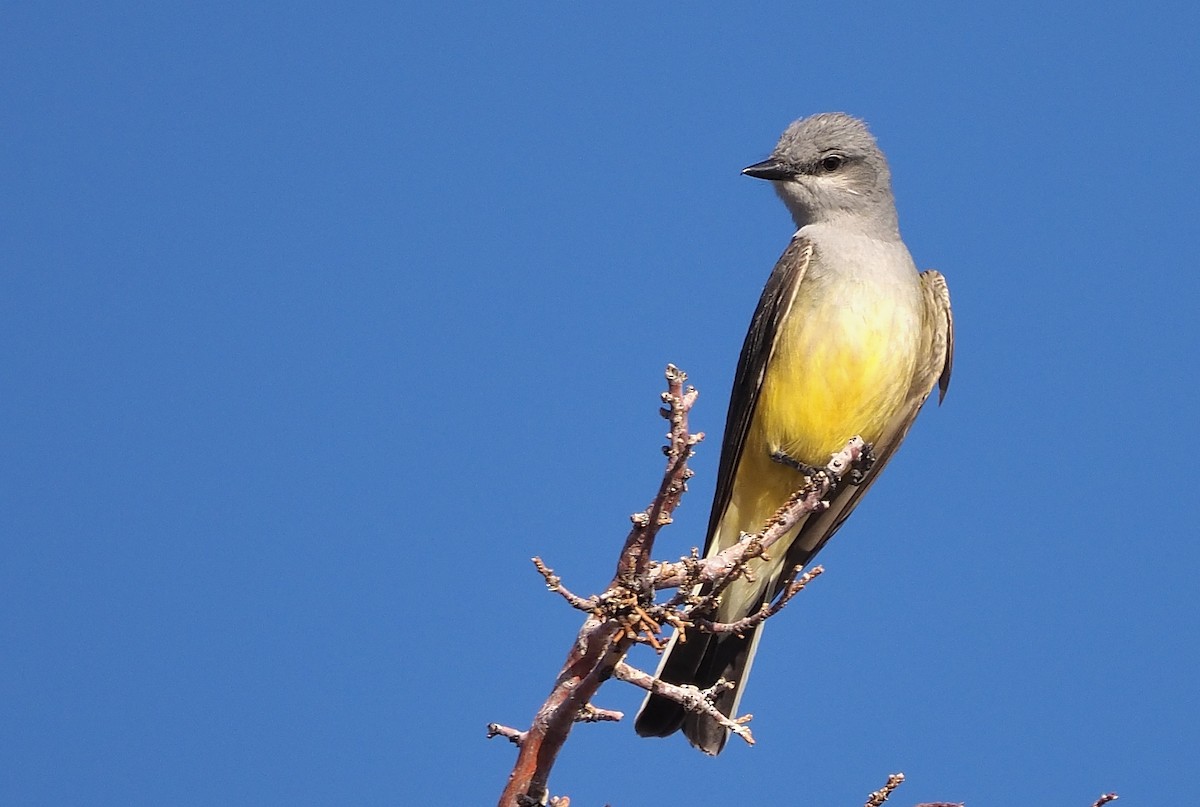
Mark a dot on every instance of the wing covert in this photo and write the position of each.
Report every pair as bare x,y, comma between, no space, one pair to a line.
941,354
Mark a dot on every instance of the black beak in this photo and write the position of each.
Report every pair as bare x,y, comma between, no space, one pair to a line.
769,169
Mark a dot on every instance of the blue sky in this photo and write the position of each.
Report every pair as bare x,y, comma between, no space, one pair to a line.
318,321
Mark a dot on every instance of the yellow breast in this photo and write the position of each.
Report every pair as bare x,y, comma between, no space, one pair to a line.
842,366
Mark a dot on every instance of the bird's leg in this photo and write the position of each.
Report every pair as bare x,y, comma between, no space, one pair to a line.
783,458
855,475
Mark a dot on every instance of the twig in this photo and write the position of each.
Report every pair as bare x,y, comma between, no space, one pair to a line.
512,735
880,796
792,587
635,554
554,583
690,697
594,714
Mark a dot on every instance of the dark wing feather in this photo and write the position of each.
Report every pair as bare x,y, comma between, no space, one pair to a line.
773,306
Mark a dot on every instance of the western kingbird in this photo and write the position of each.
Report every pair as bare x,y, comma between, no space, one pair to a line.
848,339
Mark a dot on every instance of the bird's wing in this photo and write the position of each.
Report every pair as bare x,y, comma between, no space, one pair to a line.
941,352
773,306
933,367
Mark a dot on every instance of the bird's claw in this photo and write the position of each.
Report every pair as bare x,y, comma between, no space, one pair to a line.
858,471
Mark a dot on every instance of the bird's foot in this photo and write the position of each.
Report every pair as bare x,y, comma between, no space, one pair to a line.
858,471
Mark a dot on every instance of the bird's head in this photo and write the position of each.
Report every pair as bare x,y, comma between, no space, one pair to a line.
828,166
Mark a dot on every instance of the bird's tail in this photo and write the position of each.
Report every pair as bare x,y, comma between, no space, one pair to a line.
702,660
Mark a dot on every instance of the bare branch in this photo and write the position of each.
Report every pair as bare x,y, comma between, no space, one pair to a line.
512,735
594,714
880,796
690,697
793,587
554,583
616,620
635,555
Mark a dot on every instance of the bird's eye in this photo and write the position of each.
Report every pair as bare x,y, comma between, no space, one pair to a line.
832,162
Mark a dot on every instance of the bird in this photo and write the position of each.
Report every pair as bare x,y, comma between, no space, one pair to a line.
848,339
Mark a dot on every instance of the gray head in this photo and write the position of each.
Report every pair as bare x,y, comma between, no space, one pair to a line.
828,166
